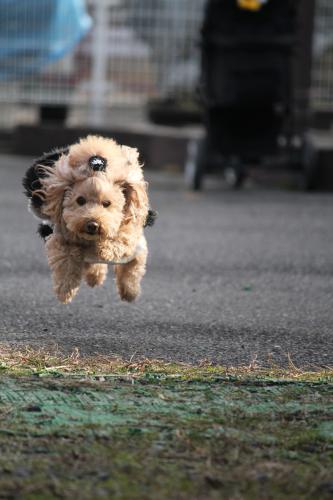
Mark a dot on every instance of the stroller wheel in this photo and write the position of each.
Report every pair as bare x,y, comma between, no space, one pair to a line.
234,174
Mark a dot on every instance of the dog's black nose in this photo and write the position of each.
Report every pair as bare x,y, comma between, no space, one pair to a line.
91,227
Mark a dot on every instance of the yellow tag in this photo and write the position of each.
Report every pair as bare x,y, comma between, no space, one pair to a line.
250,4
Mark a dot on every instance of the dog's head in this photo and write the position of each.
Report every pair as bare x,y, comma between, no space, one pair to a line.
95,189
94,208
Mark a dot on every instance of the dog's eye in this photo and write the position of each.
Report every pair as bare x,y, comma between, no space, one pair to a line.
106,203
81,201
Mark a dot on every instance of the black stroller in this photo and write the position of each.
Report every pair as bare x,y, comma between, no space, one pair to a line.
253,109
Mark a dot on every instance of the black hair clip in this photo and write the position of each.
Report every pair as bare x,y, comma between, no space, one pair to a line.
151,218
97,163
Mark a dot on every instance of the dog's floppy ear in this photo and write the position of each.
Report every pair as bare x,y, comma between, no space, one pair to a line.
136,207
54,183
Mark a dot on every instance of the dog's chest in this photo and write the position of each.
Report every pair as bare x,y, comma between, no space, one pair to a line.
91,255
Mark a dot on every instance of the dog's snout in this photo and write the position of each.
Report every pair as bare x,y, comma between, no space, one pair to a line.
92,227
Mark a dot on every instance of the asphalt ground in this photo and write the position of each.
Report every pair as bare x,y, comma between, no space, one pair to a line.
232,277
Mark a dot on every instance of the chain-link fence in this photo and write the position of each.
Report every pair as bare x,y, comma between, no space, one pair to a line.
134,51
322,62
130,52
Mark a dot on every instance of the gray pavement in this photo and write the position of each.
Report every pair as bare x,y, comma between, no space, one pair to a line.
231,276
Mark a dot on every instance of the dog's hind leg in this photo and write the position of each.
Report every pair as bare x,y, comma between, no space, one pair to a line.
129,276
95,274
66,263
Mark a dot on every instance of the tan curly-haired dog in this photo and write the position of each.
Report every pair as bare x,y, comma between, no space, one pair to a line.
95,196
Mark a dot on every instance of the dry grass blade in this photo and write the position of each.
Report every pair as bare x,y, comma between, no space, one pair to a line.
25,360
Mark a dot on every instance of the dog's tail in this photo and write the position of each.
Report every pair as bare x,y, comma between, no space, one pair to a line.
44,230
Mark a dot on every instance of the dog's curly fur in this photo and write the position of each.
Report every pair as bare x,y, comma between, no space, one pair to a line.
97,215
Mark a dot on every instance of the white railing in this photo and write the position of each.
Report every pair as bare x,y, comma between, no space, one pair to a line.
136,50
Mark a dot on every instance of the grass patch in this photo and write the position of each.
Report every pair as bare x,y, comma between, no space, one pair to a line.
42,362
107,428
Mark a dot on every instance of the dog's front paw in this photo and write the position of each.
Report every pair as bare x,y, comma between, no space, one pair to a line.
95,274
128,293
65,293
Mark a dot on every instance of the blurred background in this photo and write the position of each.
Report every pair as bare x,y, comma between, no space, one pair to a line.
231,98
199,86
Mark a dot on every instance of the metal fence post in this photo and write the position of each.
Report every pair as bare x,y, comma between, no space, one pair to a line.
99,62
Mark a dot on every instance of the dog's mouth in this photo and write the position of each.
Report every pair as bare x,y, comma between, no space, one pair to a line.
90,237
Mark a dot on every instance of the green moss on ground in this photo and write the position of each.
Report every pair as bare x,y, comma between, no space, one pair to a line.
167,434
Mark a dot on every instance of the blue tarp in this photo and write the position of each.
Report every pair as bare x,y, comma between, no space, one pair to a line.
34,33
